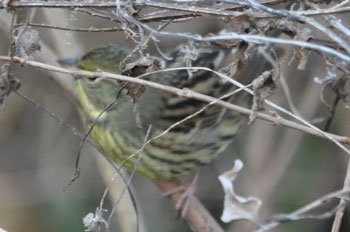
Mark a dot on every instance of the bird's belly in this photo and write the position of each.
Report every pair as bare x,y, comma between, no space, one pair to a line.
168,156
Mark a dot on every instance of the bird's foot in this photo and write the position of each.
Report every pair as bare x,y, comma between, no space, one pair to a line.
185,192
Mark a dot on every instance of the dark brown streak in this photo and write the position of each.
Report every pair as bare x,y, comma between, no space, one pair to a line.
331,113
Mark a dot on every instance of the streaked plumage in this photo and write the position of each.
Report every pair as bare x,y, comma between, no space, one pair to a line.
188,146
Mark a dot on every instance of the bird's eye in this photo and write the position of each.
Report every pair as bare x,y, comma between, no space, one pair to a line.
92,78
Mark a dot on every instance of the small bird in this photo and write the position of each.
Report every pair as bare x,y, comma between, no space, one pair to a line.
121,130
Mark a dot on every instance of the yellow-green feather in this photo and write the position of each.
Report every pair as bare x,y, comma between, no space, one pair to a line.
182,150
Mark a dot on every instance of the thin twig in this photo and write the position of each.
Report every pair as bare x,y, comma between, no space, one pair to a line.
182,92
130,177
90,29
77,170
172,126
288,95
340,213
104,4
253,38
81,135
296,16
301,213
331,113
141,45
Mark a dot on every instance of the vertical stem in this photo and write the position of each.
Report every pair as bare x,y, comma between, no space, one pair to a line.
339,216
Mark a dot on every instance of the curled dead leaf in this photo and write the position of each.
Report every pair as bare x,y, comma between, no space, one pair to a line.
237,207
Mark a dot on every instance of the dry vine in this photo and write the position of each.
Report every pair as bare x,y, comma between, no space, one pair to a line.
252,25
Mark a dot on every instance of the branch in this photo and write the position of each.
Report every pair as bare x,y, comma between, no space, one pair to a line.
301,213
171,10
107,4
90,29
339,215
275,120
197,215
58,4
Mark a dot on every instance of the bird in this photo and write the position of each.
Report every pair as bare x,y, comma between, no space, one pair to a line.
119,128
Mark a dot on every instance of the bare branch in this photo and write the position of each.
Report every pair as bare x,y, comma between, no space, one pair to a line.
302,212
90,29
197,215
181,92
340,213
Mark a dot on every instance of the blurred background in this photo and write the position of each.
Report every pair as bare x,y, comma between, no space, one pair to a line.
284,168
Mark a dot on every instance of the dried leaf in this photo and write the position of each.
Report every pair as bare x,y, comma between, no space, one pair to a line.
237,207
143,65
130,9
8,83
189,53
137,68
93,222
27,41
5,5
263,87
303,54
